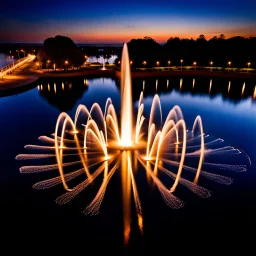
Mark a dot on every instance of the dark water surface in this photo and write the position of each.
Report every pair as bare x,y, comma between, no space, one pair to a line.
31,222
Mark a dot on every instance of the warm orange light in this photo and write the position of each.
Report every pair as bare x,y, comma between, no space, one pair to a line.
194,63
48,61
211,63
173,134
229,63
157,63
249,63
181,61
131,62
66,62
169,62
119,62
144,62
37,63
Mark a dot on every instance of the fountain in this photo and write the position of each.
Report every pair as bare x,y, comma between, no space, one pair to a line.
103,67
94,145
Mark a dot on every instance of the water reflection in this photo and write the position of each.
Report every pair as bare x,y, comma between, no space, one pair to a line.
61,93
233,91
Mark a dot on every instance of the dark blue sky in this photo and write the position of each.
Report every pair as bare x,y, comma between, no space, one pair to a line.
119,21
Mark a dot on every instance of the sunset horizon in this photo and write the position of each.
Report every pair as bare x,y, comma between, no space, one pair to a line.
119,22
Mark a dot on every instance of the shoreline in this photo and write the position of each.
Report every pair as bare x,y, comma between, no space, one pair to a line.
27,81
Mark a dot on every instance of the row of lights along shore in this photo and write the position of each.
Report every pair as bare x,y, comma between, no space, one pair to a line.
181,62
158,63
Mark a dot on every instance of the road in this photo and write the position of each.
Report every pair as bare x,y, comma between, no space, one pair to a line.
21,76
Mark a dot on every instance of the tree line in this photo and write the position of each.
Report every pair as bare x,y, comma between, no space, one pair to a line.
217,51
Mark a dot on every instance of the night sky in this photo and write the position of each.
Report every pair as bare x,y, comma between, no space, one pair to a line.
113,21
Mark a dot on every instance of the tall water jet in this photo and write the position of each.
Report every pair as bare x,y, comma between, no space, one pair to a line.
103,67
126,99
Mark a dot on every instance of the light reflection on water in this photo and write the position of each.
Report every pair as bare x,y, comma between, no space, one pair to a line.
225,113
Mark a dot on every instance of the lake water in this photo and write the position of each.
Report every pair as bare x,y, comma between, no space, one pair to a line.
5,60
111,60
32,221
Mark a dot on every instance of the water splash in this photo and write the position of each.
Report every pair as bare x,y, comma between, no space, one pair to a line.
93,146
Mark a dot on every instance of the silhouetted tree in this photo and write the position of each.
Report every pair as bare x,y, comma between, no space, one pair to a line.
219,50
146,49
60,49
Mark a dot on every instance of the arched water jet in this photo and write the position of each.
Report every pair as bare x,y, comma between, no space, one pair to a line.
156,102
210,87
183,125
243,89
200,123
58,151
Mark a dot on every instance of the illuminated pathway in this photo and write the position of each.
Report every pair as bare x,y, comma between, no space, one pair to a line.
21,73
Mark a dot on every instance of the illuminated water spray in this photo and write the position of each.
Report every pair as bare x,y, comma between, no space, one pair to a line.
210,87
126,99
94,144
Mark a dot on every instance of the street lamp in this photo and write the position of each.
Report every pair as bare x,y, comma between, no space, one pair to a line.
23,52
181,61
169,62
86,58
18,53
66,63
249,63
229,63
211,63
48,61
157,63
144,62
12,61
194,63
131,62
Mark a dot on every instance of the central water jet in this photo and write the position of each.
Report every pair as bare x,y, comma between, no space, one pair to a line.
126,100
